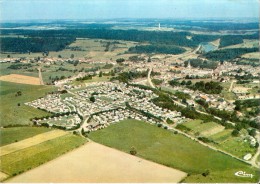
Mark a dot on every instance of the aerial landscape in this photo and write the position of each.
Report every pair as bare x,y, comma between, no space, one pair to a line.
129,91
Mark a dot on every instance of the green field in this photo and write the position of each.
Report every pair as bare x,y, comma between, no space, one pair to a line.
11,135
221,136
88,48
10,112
173,150
94,79
4,70
26,159
258,158
49,71
236,146
199,126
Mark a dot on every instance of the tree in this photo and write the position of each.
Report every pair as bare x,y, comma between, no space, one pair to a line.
76,63
252,132
92,99
206,173
235,132
169,121
133,151
120,60
18,104
188,83
112,73
72,56
184,101
183,82
59,56
100,74
149,60
18,93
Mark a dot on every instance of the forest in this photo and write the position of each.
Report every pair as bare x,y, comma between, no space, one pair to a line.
37,44
56,40
230,40
228,54
158,37
243,104
199,63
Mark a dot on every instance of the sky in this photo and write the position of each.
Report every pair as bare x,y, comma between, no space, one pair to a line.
109,9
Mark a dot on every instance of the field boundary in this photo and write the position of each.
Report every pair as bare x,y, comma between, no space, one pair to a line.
32,141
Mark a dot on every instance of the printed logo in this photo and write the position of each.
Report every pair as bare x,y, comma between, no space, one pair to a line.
243,174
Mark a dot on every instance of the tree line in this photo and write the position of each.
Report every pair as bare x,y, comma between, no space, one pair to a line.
36,44
165,37
228,54
199,63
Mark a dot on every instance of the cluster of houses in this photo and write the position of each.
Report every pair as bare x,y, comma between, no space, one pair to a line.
104,119
252,141
51,103
214,101
108,96
232,69
159,112
66,121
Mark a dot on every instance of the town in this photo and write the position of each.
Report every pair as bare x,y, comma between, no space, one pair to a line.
160,98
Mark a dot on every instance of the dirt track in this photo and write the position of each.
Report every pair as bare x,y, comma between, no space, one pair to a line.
22,79
97,163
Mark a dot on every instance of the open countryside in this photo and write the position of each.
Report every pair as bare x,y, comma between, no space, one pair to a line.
117,93
101,164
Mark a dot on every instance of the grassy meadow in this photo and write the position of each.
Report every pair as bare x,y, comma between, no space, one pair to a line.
14,134
222,137
236,146
10,111
173,150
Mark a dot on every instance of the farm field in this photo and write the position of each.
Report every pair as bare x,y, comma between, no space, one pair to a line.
204,129
221,136
94,79
32,141
15,134
253,55
5,70
25,159
95,48
246,44
97,163
258,158
22,79
173,150
10,111
49,71
84,47
236,146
